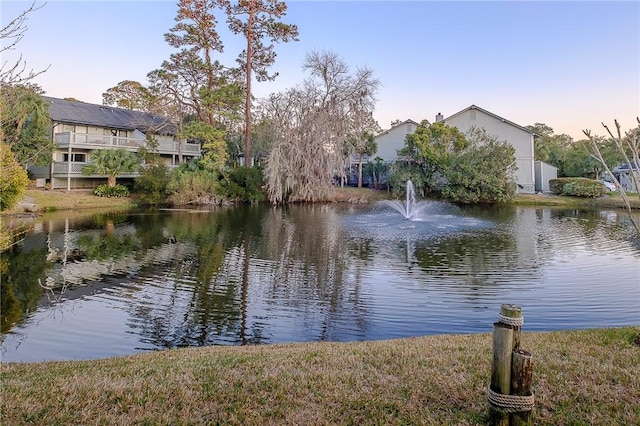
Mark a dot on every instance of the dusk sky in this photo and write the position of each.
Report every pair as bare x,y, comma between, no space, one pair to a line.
570,65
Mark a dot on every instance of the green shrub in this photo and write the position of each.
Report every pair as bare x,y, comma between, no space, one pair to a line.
482,173
111,191
242,184
555,185
152,186
13,179
576,187
194,187
581,189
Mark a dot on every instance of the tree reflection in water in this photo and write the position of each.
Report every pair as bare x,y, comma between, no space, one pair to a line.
20,270
262,274
246,258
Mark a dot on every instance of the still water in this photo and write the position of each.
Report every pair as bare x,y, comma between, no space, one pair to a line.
107,284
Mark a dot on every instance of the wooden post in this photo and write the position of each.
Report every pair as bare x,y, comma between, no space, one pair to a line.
515,312
511,373
521,383
501,370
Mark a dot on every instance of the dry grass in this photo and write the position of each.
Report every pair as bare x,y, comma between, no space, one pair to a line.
611,200
546,200
580,377
358,195
76,199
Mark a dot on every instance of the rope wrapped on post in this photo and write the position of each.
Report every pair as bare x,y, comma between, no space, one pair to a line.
510,394
510,403
515,322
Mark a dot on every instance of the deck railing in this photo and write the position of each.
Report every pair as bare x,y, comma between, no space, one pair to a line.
62,168
94,141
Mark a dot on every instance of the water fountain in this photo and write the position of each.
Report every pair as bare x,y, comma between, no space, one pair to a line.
409,208
417,219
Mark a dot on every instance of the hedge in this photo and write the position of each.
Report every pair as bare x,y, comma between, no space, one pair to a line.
576,187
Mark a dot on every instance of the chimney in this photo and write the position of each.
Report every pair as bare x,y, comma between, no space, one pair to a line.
439,117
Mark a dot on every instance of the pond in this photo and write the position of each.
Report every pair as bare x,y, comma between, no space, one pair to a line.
95,285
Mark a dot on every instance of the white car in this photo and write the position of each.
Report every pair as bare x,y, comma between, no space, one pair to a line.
610,185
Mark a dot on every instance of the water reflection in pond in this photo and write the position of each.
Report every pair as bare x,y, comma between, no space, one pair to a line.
112,284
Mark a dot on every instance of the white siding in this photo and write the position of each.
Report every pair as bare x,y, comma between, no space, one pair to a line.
392,140
137,134
544,172
521,140
164,138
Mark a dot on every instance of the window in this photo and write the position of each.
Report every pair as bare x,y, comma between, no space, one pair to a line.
115,133
75,157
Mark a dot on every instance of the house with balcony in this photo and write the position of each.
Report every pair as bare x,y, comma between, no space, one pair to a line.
80,128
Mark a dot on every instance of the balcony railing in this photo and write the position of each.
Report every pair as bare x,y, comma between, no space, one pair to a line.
94,141
62,168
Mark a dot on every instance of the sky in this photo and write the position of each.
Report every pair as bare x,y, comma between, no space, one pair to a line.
570,65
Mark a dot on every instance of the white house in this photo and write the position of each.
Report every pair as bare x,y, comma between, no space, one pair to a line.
504,130
80,128
392,140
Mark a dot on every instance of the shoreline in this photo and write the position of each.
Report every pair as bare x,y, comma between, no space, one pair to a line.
580,377
16,221
50,201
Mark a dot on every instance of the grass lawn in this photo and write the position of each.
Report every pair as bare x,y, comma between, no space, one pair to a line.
588,377
76,199
611,200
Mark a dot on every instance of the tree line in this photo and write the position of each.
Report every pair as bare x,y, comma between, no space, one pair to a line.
303,140
576,157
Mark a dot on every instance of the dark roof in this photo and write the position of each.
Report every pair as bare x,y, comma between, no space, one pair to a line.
75,112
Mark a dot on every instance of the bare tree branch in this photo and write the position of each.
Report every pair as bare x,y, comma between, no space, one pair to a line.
11,34
310,126
629,143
